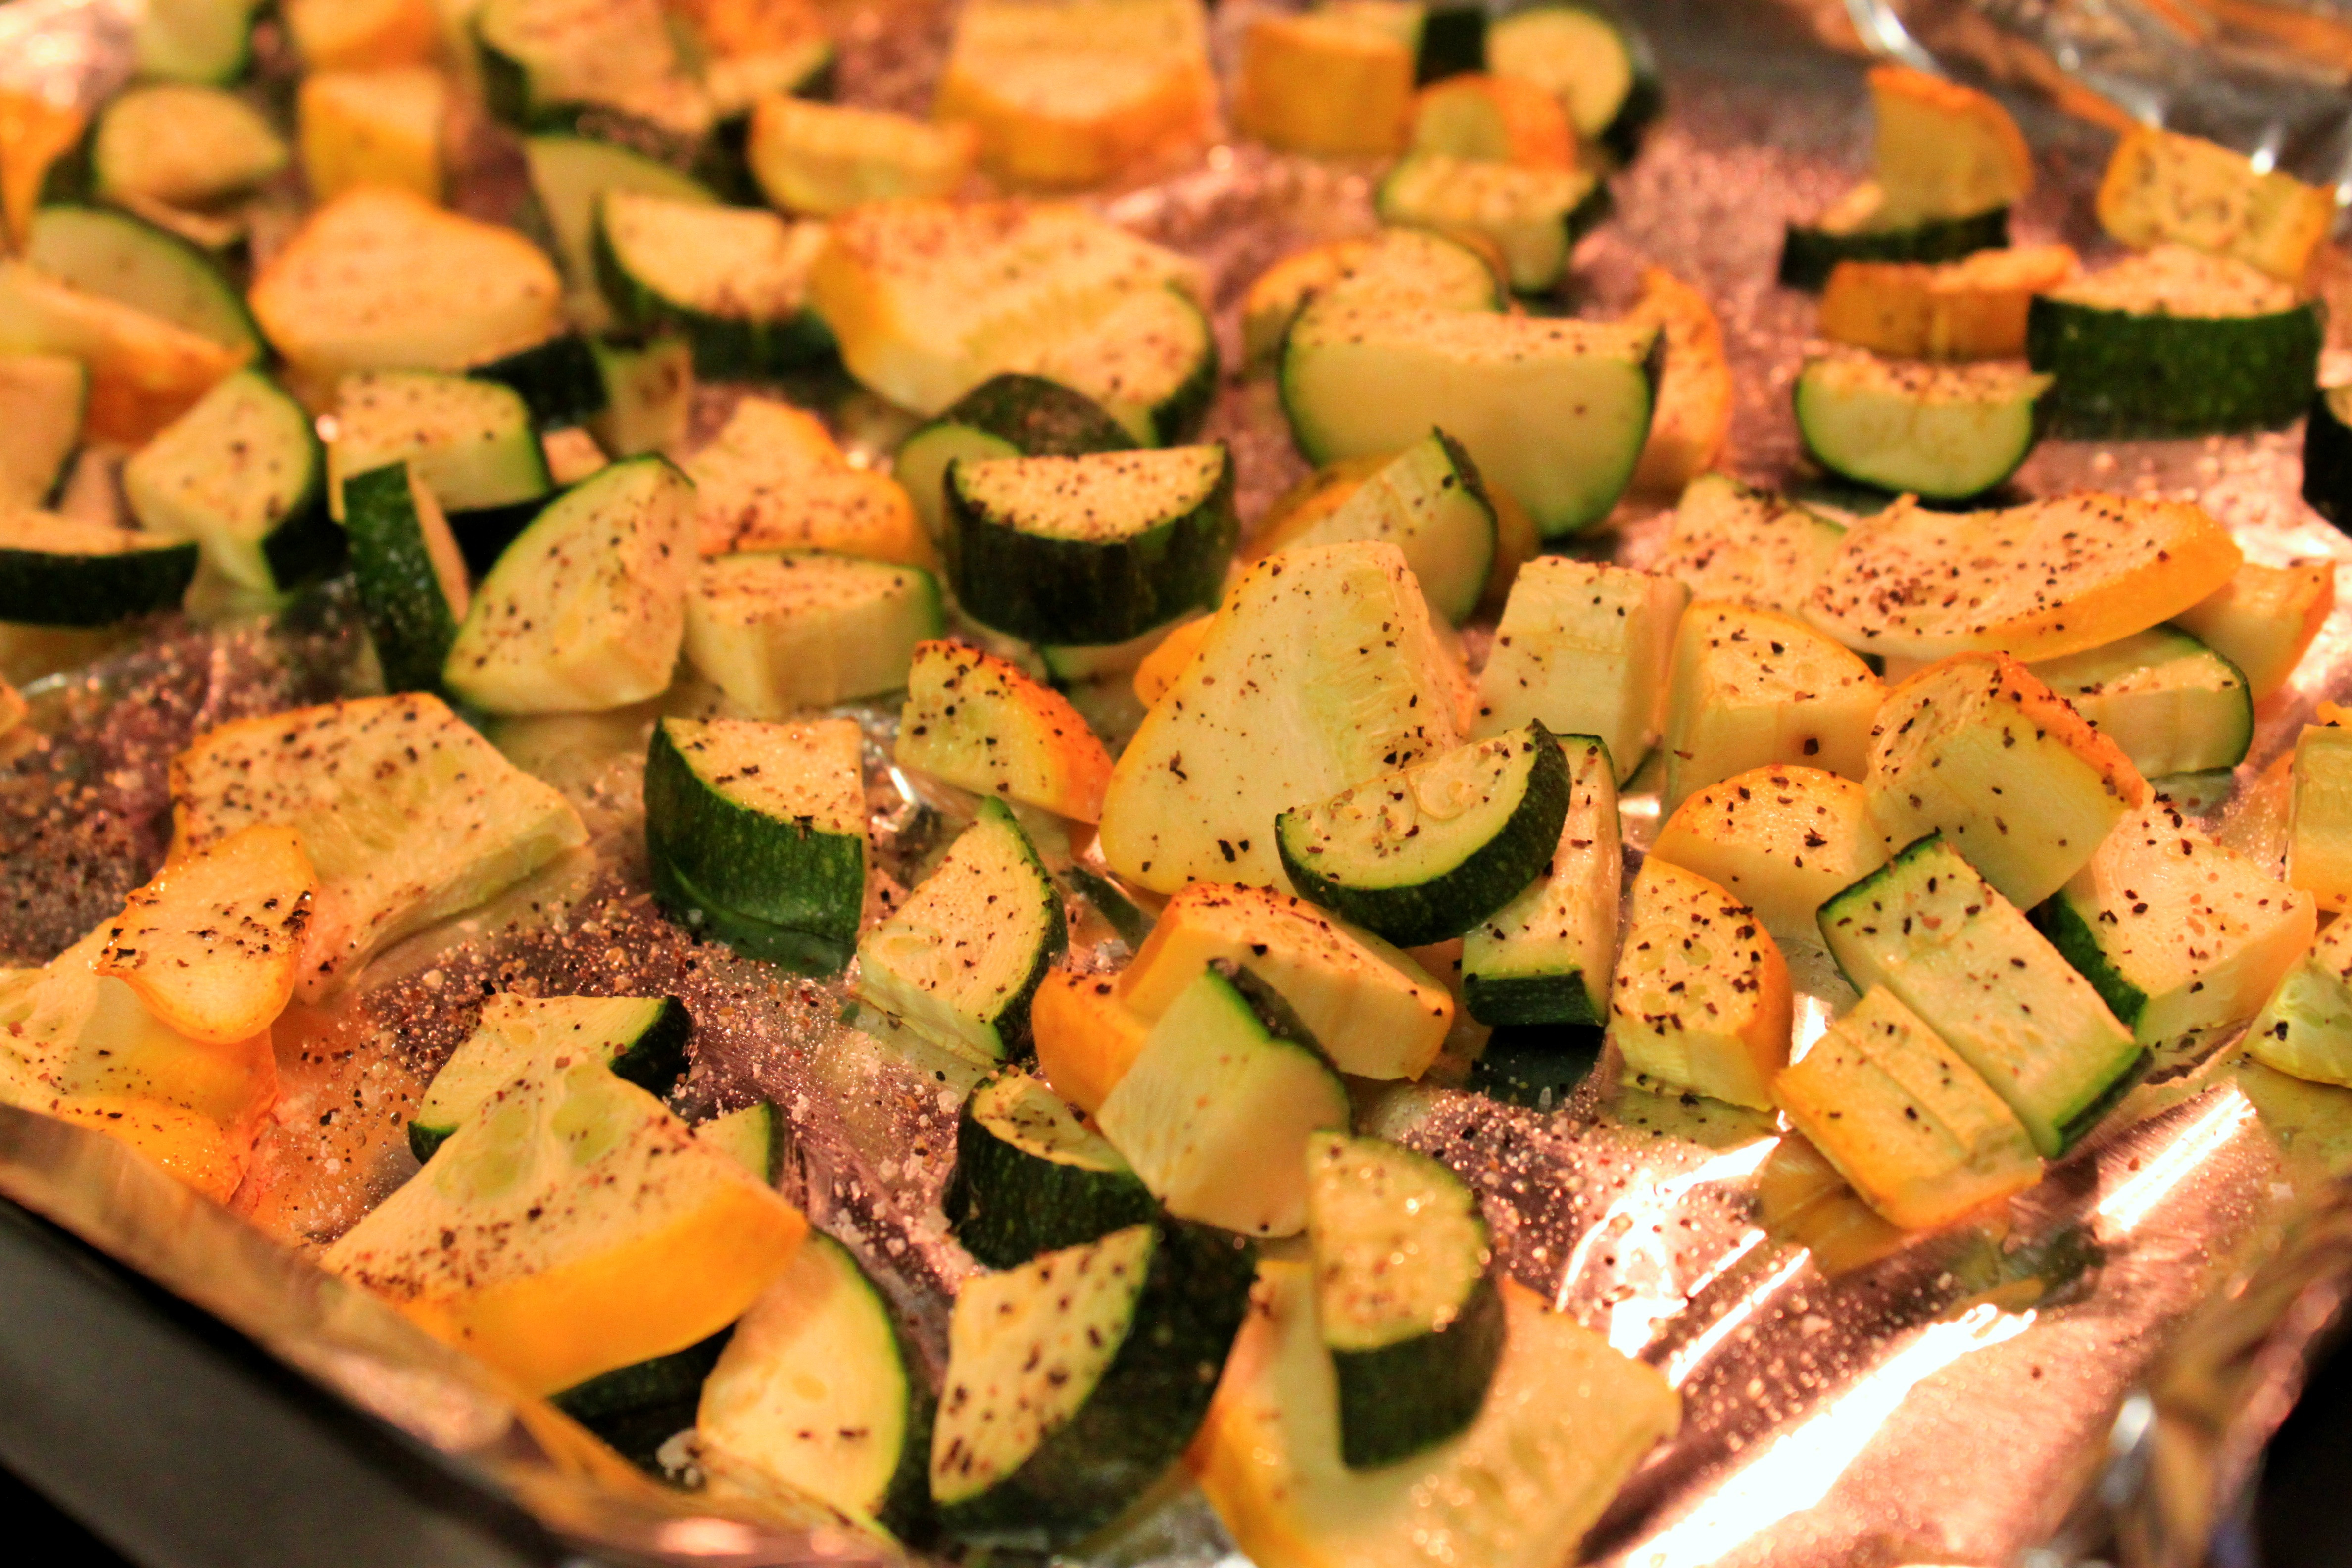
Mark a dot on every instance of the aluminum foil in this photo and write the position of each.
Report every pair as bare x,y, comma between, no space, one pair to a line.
2093,1372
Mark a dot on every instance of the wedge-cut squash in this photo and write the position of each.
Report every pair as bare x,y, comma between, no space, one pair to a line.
1584,648
1414,264
406,813
1325,82
373,128
2018,784
2319,827
1321,670
1970,309
1693,416
2038,581
383,279
572,1226
1753,688
1700,999
1493,119
144,372
2264,619
826,158
774,478
211,944
1740,545
1428,500
1086,1037
1943,150
977,722
2164,188
1783,839
2306,1027
1075,93
1565,1421
1159,667
1546,956
1374,1010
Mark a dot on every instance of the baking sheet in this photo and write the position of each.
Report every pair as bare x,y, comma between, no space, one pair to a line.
1947,1403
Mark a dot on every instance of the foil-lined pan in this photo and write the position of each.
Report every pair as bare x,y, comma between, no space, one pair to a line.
2093,1373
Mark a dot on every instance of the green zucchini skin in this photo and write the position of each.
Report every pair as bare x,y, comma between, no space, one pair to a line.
1451,902
1535,1066
804,952
1178,417
1390,1399
1006,1205
2057,918
726,348
42,589
2124,374
2327,463
1073,593
637,1408
1531,999
1144,1410
1808,255
484,534
559,380
1453,43
654,1060
1036,417
408,617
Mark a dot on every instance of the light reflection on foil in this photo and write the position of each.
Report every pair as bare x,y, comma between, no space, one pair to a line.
1633,1319
2122,1210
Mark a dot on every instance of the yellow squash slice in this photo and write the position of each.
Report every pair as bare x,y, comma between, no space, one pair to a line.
1784,839
774,478
211,944
1752,688
1970,309
2165,188
1327,83
981,723
2264,619
1086,1037
1700,999
1944,150
1693,416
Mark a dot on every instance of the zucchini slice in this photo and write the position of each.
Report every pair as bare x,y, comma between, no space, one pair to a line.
194,40
638,1408
648,393
959,960
1566,1420
1489,118
408,813
542,61
1593,60
1554,412
2171,703
2319,820
61,572
1956,952
1783,839
1403,264
242,474
2175,342
1074,1381
128,259
2265,618
1404,1292
1857,229
586,609
774,478
2164,188
1941,432
826,158
799,629
2306,1027
2327,454
2178,935
1545,957
753,1137
1429,502
818,1391
1753,688
1700,999
733,279
1975,748
471,442
1584,648
42,400
641,1038
1090,549
762,828
1371,1009
1148,356
1424,854
1007,416
568,177
182,145
1739,545
1904,1119
1031,1177
560,379
1216,1110
1533,216
571,1226
409,576
211,944
980,723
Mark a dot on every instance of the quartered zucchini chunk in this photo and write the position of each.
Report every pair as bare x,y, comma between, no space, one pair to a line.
1904,1119
573,1225
752,1136
2265,618
2178,933
1700,999
1007,416
2319,824
1739,545
1372,1009
569,176
959,960
1941,432
819,1393
2306,1027
1089,550
472,442
1147,355
1425,853
1532,216
2164,188
1589,58
1031,1177
242,474
42,400
826,158
1545,957
1956,952
2038,581
774,478
977,722
733,279
194,40
210,947
641,1038
1753,688
1074,1381
1976,748
559,378
1430,502
2171,703
1782,838
1856,227
62,571
410,575
181,144
2175,342
407,813
117,256
1404,1292
802,628
647,382
1487,119
1407,265
761,829
1566,1420
1320,671
1332,82
1215,1111
1585,648
1086,1037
